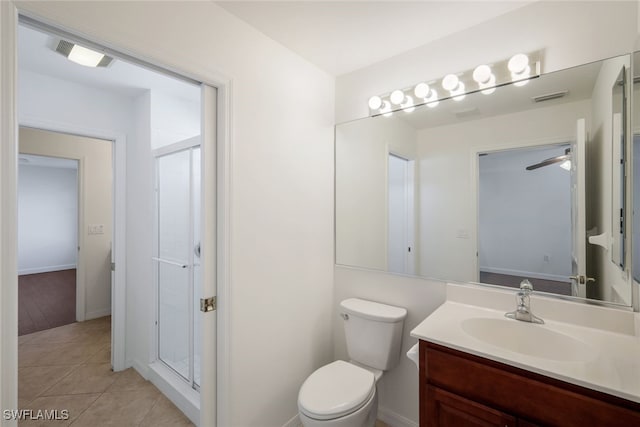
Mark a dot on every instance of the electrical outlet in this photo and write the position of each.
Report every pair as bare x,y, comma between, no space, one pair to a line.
94,229
462,234
546,258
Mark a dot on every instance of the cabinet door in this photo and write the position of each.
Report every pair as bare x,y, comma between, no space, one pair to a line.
446,409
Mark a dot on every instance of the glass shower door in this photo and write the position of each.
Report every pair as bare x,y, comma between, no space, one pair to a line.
177,260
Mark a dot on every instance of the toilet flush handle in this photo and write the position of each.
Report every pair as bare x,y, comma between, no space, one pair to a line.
345,316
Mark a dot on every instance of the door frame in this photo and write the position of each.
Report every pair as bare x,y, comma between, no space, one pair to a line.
474,169
118,235
219,223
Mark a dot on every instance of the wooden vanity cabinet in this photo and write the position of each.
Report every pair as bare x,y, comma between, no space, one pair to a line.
462,390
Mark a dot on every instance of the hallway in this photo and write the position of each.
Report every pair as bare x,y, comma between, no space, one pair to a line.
69,368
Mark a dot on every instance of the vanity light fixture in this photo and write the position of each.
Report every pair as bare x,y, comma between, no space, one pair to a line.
82,55
428,95
454,86
520,70
485,78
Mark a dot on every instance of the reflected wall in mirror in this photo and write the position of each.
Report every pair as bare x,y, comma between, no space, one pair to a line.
492,188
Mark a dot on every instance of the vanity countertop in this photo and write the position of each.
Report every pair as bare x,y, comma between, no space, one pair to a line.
605,361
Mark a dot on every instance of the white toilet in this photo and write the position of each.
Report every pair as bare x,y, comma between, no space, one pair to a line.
343,394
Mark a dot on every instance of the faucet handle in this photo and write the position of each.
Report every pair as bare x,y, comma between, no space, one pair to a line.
526,286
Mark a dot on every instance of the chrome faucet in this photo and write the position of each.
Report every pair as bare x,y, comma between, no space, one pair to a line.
523,311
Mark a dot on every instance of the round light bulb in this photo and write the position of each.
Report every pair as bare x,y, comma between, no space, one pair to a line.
397,97
386,109
458,94
518,63
450,82
432,100
521,82
408,106
375,102
421,90
482,74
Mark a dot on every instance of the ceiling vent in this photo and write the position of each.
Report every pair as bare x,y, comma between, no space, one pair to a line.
461,114
550,96
65,48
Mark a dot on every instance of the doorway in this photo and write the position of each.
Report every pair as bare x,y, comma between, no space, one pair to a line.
400,215
47,242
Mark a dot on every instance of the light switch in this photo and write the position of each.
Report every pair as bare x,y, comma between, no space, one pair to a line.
94,229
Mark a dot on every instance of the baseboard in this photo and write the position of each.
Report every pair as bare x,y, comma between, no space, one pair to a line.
142,369
393,419
98,313
47,269
293,422
533,275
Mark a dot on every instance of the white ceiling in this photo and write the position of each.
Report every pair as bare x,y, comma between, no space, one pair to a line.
36,53
343,36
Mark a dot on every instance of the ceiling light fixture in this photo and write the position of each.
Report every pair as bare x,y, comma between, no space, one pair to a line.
485,78
82,55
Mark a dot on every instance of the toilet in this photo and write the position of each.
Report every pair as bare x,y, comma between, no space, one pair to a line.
343,394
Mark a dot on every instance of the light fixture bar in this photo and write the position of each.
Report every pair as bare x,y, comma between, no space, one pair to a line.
485,78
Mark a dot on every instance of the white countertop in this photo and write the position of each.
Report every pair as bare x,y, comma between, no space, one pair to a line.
613,366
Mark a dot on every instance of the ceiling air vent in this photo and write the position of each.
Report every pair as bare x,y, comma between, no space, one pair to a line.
65,47
550,96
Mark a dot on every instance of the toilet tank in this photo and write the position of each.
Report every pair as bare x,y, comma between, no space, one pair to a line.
373,332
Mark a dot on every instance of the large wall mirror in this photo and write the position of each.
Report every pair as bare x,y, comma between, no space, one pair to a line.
525,182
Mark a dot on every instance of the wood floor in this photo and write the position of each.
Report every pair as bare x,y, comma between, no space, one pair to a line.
46,300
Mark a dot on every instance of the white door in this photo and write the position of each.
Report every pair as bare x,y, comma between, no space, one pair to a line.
578,213
400,215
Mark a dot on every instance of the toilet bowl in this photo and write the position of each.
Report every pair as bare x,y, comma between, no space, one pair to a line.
344,394
339,394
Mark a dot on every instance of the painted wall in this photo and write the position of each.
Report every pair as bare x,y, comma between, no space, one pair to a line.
95,176
524,217
563,30
48,218
281,194
173,119
362,150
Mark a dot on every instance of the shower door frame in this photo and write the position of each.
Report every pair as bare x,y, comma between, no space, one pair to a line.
186,145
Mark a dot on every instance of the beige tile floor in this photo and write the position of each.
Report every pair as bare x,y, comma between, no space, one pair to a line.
69,368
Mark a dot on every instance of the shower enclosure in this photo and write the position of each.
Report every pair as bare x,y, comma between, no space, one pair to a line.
177,259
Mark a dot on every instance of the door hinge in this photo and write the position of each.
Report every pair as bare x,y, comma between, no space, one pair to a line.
113,266
208,304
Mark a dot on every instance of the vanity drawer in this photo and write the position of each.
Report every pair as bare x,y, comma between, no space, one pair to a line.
540,399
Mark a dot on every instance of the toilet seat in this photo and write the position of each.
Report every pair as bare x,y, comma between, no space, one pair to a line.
336,390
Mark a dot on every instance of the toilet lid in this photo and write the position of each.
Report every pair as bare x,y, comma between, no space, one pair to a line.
335,390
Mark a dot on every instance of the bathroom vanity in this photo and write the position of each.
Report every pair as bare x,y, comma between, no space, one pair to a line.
458,388
479,368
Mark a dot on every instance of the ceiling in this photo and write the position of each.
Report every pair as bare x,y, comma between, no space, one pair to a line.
343,36
36,53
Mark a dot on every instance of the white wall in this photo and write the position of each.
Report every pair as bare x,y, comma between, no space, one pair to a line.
362,150
173,119
47,218
281,194
563,30
95,177
524,216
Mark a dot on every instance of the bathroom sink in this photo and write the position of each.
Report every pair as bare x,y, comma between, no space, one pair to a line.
528,339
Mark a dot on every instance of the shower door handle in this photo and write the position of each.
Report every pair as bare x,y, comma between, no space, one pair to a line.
166,261
196,250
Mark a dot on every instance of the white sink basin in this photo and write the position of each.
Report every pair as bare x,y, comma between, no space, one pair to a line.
528,339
